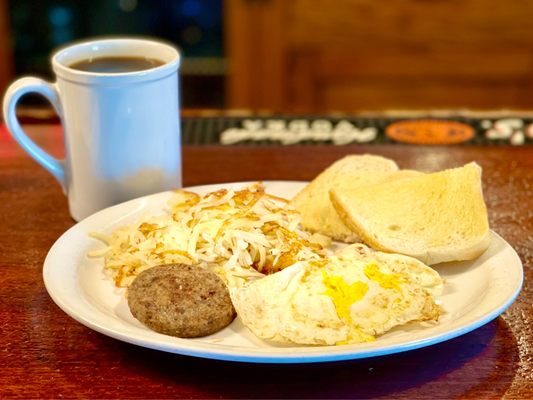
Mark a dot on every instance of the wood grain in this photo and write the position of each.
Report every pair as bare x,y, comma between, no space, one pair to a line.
46,354
314,56
6,47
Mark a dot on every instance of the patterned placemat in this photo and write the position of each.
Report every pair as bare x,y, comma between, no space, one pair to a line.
348,131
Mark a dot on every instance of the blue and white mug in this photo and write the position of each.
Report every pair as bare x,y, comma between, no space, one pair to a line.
122,130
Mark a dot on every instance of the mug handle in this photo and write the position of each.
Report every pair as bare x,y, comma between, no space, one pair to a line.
11,98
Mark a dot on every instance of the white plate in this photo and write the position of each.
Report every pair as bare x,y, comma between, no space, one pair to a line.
475,293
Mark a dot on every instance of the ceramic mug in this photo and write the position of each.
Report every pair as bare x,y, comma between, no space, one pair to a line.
122,129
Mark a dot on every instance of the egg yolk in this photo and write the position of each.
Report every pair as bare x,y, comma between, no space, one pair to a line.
343,294
357,336
386,281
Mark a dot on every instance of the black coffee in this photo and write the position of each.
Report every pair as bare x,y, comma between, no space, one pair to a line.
116,64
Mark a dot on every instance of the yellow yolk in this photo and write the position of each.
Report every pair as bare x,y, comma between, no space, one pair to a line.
386,281
343,294
357,336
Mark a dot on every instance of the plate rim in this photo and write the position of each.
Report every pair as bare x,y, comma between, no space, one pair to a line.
251,355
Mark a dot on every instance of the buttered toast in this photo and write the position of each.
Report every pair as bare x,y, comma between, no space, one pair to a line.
435,217
346,174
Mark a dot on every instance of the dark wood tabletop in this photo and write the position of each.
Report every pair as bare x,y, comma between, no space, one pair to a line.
46,354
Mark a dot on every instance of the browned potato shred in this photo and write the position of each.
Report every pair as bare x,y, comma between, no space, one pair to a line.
238,234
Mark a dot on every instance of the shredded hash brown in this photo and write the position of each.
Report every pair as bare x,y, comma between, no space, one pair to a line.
240,234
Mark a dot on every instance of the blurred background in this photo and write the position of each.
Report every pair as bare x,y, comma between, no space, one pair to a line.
302,56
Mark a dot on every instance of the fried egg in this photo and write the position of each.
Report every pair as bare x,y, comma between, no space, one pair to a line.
350,297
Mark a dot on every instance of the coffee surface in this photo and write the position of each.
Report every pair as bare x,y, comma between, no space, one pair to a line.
116,64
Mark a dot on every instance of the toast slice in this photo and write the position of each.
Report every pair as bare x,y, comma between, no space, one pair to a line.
435,217
350,172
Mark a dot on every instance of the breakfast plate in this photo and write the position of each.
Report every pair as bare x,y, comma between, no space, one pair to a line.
475,293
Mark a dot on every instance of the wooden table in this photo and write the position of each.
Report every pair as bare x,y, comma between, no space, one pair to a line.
44,353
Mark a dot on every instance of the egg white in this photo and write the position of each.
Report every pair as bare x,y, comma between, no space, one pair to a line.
296,306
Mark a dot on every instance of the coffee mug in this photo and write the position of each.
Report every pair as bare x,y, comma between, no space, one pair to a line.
121,128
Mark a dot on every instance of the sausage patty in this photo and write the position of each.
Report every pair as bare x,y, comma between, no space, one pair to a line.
181,300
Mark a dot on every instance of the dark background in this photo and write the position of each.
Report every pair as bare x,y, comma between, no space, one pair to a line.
194,26
303,56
